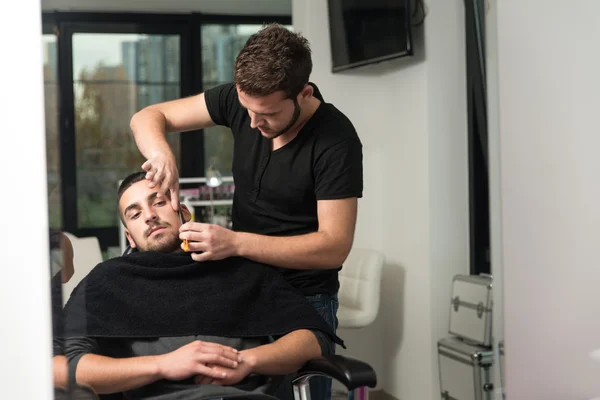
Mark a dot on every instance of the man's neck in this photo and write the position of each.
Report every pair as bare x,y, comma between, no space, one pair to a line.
305,115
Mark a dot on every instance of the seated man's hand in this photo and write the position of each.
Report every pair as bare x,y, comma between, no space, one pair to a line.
214,241
233,375
192,359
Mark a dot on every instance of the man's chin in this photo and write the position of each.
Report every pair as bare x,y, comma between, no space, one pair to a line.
164,245
271,135
267,134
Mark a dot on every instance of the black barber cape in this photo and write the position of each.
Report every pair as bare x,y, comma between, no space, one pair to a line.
151,294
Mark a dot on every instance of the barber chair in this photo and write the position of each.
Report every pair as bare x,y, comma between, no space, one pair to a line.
354,374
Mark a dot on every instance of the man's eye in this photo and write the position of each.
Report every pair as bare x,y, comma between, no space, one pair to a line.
134,215
160,203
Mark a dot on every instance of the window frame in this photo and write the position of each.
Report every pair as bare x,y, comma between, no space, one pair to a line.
189,28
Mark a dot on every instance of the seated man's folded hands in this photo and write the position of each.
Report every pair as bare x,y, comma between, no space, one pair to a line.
284,356
199,358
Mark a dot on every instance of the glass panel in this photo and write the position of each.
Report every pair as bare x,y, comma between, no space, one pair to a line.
52,138
61,267
116,75
220,47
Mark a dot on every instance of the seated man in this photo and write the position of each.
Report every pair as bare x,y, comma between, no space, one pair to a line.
156,324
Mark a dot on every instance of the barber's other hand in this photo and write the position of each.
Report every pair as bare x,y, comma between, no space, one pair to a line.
192,359
161,172
214,241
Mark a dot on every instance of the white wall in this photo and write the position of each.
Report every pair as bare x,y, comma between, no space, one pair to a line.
549,103
411,117
237,7
25,366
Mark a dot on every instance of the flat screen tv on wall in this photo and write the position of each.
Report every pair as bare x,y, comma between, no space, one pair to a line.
369,31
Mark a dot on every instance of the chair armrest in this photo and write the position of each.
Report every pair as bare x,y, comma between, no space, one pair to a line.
349,371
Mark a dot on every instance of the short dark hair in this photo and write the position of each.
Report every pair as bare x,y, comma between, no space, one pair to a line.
273,59
125,184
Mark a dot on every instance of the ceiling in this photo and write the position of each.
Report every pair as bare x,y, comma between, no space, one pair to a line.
233,7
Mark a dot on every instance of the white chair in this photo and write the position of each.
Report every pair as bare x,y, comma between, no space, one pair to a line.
360,286
86,255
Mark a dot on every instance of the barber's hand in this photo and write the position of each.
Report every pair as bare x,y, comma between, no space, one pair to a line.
192,359
214,241
162,173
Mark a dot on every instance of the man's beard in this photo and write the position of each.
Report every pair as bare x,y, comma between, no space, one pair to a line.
165,244
162,242
295,116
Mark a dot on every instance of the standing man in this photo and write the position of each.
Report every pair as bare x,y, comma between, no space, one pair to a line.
297,168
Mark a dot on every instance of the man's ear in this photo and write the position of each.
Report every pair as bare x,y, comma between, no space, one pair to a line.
187,215
130,239
306,93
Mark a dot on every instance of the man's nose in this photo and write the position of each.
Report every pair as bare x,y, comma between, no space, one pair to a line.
254,120
150,216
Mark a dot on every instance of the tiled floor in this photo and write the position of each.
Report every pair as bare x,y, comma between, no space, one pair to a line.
339,397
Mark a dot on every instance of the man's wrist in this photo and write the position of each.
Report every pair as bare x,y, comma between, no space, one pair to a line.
250,358
156,367
162,153
239,244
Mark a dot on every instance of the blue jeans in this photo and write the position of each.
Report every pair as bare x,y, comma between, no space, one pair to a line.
327,306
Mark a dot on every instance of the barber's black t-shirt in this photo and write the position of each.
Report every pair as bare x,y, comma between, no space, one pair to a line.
276,192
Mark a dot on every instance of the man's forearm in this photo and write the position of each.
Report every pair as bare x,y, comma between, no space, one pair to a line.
284,356
60,372
149,129
315,250
110,375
